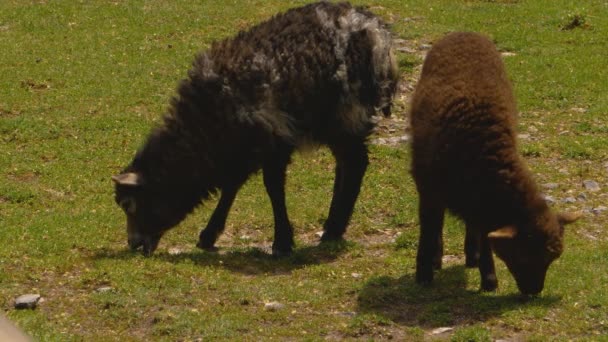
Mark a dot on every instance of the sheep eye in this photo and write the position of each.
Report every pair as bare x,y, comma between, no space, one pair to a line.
128,205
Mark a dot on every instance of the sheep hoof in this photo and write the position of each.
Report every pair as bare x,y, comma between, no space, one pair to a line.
471,262
327,236
424,278
281,252
489,283
209,247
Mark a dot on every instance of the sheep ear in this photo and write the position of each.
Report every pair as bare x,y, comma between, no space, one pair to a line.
507,232
566,218
128,179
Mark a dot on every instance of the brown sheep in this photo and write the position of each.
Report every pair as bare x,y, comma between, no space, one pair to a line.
314,74
465,159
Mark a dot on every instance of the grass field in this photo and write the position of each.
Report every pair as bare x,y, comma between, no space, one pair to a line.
81,84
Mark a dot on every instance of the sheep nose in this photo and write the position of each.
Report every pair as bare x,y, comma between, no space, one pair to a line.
135,242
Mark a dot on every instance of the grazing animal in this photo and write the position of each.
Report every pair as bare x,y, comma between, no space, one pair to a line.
465,159
314,74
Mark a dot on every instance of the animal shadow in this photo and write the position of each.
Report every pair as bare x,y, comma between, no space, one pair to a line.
446,302
250,261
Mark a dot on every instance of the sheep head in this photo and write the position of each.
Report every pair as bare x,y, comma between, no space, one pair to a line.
529,253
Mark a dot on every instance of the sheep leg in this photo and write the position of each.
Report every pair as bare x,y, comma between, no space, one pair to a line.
274,181
351,163
486,265
471,247
430,244
217,222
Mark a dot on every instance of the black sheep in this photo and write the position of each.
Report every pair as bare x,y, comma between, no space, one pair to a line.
314,74
465,159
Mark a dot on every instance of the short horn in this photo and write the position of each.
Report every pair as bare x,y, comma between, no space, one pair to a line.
129,179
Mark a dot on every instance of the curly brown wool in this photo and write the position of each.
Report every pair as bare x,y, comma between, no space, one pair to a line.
465,159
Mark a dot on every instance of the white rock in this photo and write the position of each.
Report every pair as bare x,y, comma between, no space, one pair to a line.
174,251
27,301
550,185
441,330
273,306
104,289
591,185
523,136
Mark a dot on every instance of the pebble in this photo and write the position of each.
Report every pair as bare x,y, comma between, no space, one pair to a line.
405,49
591,185
569,200
441,330
356,275
392,140
599,210
104,289
174,251
582,196
523,136
348,314
550,185
549,199
273,306
578,109
27,301
425,46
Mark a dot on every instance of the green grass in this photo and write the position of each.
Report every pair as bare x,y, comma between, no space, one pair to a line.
82,82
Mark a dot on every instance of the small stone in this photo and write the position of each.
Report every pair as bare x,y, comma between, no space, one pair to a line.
599,210
405,49
549,199
523,136
27,301
591,185
349,314
425,46
550,185
582,196
569,200
174,251
578,109
104,289
245,237
356,275
273,306
319,234
408,19
508,54
441,330
380,141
